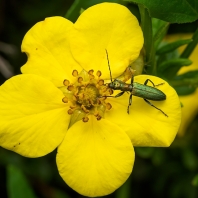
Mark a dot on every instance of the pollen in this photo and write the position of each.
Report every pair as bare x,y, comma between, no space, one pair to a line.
86,96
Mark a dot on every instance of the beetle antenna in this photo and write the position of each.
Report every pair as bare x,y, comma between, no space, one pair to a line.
109,64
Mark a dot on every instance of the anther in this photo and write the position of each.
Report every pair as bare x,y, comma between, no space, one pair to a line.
75,73
90,72
84,109
65,100
66,82
91,76
70,87
101,82
70,112
110,91
109,106
98,117
99,73
80,79
85,119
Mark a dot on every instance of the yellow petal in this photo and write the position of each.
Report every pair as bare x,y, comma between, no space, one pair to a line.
95,158
47,47
107,26
33,118
189,111
145,125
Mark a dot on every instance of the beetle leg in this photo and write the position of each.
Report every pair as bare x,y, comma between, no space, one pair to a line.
130,102
154,106
132,77
148,80
118,95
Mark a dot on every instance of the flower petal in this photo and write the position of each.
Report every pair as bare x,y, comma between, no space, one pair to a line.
33,118
47,47
145,125
95,158
106,26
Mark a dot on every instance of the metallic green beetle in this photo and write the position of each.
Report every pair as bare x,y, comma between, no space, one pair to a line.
140,90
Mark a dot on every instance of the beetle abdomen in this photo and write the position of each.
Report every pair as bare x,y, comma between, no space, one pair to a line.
148,92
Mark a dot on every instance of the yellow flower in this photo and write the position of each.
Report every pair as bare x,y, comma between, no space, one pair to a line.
39,108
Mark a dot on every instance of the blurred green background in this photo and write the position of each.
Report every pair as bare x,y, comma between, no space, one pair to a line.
158,172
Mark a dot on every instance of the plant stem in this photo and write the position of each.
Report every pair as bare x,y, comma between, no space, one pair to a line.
146,24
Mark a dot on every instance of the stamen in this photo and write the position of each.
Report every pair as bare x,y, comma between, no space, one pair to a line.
87,96
70,87
70,112
66,82
109,106
90,72
91,76
98,117
85,119
80,79
101,82
110,91
75,73
99,73
65,100
84,109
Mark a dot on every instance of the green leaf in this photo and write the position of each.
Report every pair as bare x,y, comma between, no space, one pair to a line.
184,90
173,11
172,46
169,68
146,25
190,160
191,46
160,29
190,75
186,83
195,180
17,185
144,152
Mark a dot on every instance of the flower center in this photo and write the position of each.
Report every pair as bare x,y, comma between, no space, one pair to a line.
86,96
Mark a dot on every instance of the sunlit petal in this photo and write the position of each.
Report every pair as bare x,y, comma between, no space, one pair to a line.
106,26
95,158
33,118
48,50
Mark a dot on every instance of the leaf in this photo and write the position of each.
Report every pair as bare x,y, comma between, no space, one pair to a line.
144,152
184,90
173,11
172,46
190,75
195,181
160,33
17,185
186,83
159,29
169,68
